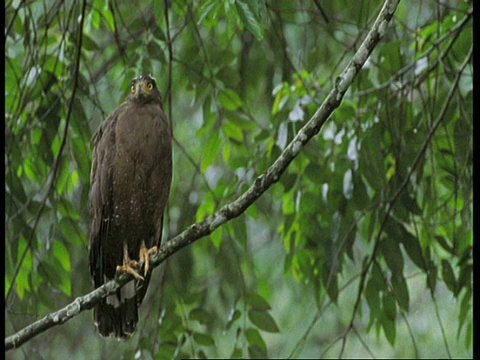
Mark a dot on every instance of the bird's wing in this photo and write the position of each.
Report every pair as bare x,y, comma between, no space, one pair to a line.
103,142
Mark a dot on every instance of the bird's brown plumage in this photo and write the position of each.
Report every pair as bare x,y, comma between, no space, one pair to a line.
130,182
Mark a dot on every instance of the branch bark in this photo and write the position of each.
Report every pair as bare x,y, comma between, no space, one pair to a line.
232,210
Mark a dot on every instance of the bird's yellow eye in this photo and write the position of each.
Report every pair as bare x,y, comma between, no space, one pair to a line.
132,89
150,86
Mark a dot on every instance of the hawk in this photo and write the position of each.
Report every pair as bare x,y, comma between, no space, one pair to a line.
130,182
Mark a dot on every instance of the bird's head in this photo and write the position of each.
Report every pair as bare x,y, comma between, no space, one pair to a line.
144,89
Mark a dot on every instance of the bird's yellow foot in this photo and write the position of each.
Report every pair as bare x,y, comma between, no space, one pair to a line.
129,266
145,256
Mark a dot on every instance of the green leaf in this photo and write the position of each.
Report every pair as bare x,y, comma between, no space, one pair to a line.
93,20
51,271
257,302
448,275
234,316
388,319
288,181
389,329
400,291
203,339
263,320
242,121
72,182
46,298
360,194
391,252
13,70
216,237
247,11
443,241
465,309
61,253
371,159
257,349
469,335
232,131
29,168
372,295
315,173
254,338
236,353
348,184
410,242
431,272
464,278
72,232
389,57
206,8
256,353
413,248
332,283
201,315
281,97
81,155
156,52
108,19
288,203
388,306
375,287
89,44
62,176
27,264
240,230
210,152
410,204
229,99
226,152
65,284
206,208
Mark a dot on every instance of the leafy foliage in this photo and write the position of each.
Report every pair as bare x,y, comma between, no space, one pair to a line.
369,228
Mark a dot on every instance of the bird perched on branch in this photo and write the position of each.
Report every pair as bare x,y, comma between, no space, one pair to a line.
130,182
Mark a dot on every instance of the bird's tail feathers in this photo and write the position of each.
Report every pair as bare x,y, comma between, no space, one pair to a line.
117,315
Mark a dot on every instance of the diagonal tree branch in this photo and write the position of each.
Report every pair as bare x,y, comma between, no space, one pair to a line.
232,210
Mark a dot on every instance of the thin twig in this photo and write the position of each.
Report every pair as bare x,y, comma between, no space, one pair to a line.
170,61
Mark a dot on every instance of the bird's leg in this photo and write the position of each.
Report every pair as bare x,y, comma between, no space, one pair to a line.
145,256
129,266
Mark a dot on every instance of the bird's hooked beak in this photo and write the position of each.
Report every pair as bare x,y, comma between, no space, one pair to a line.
139,90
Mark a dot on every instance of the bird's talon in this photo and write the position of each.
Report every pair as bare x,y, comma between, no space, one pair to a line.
130,269
145,256
129,266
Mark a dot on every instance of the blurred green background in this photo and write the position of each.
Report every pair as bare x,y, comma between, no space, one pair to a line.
239,78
